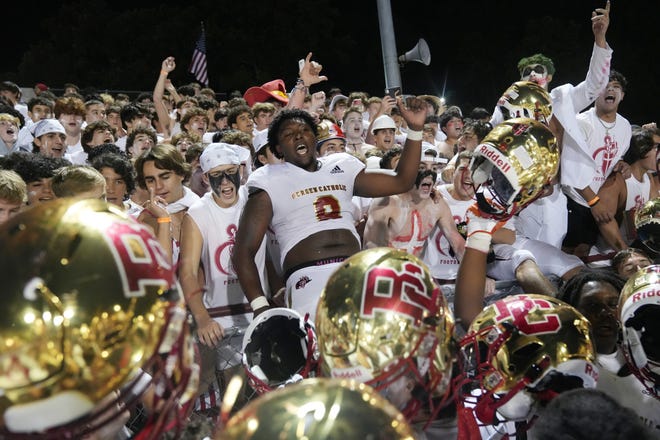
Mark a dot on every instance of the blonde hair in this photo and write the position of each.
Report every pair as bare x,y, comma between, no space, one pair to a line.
9,118
75,179
12,187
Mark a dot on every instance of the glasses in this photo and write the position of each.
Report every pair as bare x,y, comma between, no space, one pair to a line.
538,68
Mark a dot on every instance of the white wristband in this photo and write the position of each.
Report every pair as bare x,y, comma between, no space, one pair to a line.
414,135
480,241
259,303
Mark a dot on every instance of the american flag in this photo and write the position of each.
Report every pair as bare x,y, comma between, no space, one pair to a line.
198,63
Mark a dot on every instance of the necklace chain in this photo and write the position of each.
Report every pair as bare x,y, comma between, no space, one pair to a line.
605,126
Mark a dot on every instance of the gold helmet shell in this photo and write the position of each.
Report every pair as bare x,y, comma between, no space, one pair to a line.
647,223
512,166
315,409
526,99
91,310
519,343
639,308
381,319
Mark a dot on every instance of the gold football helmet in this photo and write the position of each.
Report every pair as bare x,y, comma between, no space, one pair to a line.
315,409
381,320
520,351
647,223
512,166
639,309
92,321
526,99
279,348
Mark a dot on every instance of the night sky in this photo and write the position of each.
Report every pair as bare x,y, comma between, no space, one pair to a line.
475,45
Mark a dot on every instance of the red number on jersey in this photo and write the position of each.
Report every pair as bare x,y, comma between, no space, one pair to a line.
521,311
327,208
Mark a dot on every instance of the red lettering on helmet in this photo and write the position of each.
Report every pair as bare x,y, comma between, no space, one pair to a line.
649,293
402,292
495,158
520,310
140,259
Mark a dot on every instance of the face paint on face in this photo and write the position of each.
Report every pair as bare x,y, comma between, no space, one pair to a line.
215,182
536,73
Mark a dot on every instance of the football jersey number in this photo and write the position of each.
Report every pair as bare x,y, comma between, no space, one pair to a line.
327,208
521,310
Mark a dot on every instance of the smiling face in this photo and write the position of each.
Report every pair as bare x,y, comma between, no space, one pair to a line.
40,191
297,143
609,99
51,144
598,303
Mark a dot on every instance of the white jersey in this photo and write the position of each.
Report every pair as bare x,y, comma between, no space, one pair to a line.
606,143
305,202
547,218
437,256
627,390
218,227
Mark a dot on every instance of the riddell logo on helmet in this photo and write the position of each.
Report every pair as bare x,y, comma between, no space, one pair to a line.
495,157
650,293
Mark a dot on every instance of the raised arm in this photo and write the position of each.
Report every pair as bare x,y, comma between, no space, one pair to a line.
471,278
252,228
308,75
599,66
167,66
379,184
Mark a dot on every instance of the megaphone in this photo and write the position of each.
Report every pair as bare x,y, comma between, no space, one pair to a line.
419,53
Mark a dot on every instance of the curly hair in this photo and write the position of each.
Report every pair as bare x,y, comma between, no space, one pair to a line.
280,119
572,290
121,165
537,58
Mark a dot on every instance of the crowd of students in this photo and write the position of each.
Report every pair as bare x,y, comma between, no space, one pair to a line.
401,227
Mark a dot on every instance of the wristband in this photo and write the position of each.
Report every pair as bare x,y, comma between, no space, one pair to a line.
593,201
259,303
164,219
414,135
480,241
164,72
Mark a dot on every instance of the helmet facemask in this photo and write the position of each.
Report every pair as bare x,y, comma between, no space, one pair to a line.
513,166
279,347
